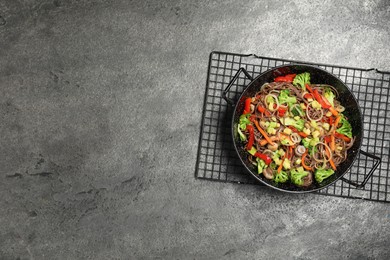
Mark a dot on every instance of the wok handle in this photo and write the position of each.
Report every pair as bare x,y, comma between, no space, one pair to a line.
376,164
225,92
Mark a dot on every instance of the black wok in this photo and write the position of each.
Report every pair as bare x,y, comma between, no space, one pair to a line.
318,76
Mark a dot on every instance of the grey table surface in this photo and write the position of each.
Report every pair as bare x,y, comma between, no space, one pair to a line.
101,106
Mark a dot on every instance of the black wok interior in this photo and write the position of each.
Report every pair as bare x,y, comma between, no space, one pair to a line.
318,76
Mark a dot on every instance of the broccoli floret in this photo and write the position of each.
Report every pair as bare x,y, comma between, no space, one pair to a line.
281,177
260,165
297,175
242,136
321,175
244,121
346,128
285,97
298,124
329,95
302,79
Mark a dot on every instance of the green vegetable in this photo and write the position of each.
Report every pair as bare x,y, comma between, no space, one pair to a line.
271,128
273,165
260,165
277,155
298,124
306,142
310,143
242,136
297,111
286,164
271,102
321,175
316,105
285,142
329,95
313,150
297,175
281,177
244,121
302,79
314,141
284,97
346,128
252,151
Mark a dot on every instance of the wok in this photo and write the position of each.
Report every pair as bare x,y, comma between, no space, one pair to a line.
318,76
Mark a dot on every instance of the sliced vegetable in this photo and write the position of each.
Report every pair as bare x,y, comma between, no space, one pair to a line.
309,88
302,79
329,95
263,132
260,165
281,177
332,143
282,111
303,162
298,124
267,160
287,78
346,128
280,166
286,164
247,107
251,137
297,176
244,121
320,100
327,139
242,136
296,110
263,110
331,162
285,98
322,174
252,151
341,136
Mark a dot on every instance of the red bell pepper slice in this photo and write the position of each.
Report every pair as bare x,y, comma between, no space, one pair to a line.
263,157
307,96
247,108
320,100
309,88
287,78
251,137
263,110
341,136
282,111
327,139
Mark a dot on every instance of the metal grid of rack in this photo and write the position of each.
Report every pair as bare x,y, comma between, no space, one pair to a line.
218,161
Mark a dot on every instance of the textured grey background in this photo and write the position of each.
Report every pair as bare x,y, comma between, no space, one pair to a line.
100,110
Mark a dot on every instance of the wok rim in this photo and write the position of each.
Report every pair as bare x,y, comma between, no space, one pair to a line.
256,176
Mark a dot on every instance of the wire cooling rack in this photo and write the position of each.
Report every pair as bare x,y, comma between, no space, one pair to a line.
217,160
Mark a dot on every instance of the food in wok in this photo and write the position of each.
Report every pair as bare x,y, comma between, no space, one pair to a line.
295,131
